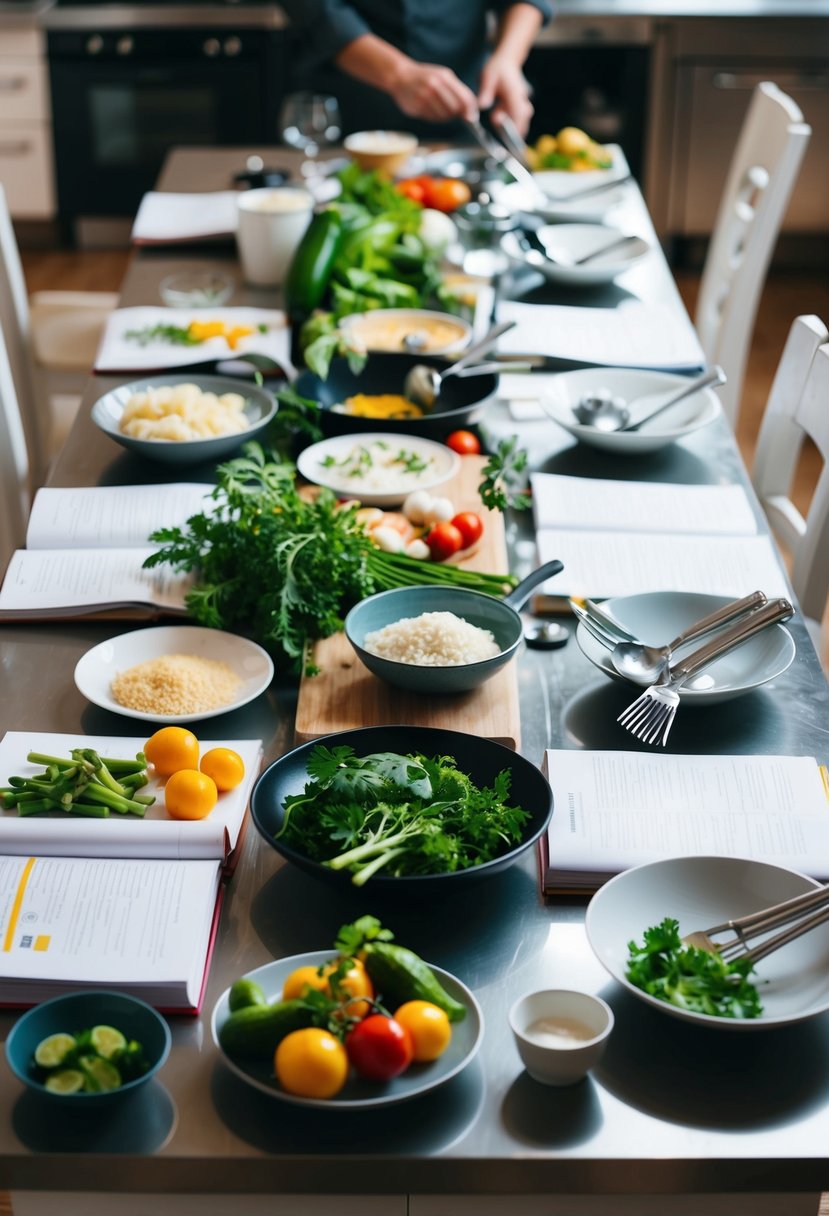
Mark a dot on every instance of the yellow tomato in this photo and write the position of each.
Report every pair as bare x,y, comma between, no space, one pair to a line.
428,1026
172,748
311,1063
300,979
545,145
190,794
226,767
571,140
354,984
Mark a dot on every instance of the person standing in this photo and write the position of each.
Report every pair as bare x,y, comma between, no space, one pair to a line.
423,65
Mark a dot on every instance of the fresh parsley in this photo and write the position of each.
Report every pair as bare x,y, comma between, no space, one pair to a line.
504,482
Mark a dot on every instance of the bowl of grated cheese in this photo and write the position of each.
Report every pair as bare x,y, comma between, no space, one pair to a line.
184,419
173,673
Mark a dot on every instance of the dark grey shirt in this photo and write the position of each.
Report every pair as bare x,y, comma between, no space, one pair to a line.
449,32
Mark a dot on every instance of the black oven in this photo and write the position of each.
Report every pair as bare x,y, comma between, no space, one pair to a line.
122,98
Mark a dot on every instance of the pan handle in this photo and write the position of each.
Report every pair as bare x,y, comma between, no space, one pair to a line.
518,597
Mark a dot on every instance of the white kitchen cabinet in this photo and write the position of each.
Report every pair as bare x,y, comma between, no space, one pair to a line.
26,169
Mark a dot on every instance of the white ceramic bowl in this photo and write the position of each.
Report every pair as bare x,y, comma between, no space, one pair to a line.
560,184
364,329
384,151
314,464
96,670
656,617
683,419
260,407
573,241
793,983
558,1059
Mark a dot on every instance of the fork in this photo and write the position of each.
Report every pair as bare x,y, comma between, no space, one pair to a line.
650,717
807,911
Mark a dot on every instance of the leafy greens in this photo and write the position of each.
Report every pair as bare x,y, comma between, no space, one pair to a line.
400,814
690,978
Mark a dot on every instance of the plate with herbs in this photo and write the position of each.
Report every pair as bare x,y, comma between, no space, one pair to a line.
379,469
402,809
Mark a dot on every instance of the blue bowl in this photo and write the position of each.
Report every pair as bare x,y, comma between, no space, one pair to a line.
80,1011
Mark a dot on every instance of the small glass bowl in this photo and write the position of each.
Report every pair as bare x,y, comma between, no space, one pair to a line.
196,289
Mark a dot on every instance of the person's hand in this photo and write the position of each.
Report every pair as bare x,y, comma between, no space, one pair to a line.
427,90
504,86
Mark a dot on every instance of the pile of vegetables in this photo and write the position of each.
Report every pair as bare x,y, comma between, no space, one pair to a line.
400,814
282,568
371,248
90,1061
692,979
333,1018
83,784
571,149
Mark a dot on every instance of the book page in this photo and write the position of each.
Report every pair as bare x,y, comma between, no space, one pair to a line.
111,517
168,217
70,580
640,506
603,564
154,835
615,810
104,922
633,334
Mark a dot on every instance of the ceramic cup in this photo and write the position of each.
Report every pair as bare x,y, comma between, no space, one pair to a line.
272,222
560,1034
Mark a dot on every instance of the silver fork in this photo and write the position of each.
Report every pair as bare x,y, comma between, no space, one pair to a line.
650,717
807,911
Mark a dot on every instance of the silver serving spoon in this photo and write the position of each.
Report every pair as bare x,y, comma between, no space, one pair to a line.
422,384
642,664
606,412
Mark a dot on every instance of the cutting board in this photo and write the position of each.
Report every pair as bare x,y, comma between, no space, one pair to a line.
345,695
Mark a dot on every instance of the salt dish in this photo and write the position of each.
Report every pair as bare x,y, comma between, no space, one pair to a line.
560,1033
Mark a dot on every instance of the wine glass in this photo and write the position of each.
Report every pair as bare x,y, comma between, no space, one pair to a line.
310,122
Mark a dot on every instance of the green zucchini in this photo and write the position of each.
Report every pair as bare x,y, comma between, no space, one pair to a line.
400,975
255,1031
310,269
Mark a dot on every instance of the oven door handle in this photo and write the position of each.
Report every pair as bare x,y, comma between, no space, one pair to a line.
789,82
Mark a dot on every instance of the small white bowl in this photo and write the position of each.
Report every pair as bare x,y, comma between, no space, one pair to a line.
384,151
196,289
560,1059
316,464
574,241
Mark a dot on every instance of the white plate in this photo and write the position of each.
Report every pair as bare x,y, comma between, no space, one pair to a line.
97,668
657,617
793,983
559,184
358,1094
443,464
566,389
567,241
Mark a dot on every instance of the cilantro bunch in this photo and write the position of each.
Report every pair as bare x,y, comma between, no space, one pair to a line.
690,978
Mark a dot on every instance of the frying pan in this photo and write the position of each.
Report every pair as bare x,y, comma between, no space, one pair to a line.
461,401
480,758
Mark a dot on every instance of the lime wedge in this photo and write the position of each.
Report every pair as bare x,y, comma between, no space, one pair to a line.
107,1041
52,1050
67,1081
99,1074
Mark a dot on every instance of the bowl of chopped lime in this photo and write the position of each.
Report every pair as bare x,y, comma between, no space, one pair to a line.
87,1049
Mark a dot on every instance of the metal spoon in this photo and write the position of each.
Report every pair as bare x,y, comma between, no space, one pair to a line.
646,665
422,384
608,413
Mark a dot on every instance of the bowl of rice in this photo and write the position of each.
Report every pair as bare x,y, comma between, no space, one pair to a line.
184,419
437,639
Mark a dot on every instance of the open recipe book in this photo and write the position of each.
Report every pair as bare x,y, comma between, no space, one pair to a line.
616,810
85,550
121,902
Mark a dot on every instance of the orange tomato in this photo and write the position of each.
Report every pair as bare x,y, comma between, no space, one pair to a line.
300,979
311,1063
172,748
413,188
354,986
190,794
226,767
428,1026
447,194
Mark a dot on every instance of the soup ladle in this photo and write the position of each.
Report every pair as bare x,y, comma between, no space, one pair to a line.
607,412
423,383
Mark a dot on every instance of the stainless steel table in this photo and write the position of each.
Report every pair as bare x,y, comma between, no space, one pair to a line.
674,1116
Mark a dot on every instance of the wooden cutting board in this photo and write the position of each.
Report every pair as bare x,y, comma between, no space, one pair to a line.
345,695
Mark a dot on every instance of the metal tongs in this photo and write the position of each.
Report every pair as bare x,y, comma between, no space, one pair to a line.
494,148
807,911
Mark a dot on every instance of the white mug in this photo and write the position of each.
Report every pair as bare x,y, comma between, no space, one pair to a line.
272,222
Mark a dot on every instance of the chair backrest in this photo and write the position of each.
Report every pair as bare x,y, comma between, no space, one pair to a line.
15,324
762,173
14,465
798,406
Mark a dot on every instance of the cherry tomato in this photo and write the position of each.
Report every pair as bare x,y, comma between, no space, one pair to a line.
465,443
413,188
311,1063
379,1047
470,526
428,1026
190,794
226,767
447,194
444,540
172,748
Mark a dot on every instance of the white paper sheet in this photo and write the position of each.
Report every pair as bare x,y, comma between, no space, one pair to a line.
168,218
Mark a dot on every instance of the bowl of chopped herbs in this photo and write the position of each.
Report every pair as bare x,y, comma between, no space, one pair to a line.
638,923
402,809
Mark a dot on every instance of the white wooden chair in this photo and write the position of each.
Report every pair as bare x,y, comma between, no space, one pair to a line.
798,406
760,179
51,341
14,465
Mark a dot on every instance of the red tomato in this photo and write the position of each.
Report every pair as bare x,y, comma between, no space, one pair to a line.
465,443
443,541
379,1047
470,526
447,194
413,188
